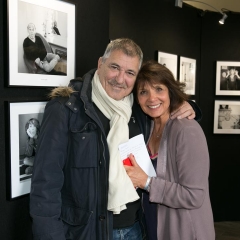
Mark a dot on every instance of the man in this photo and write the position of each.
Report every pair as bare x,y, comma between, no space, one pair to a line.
35,51
80,189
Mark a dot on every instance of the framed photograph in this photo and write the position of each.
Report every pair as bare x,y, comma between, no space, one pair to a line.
169,60
187,74
228,78
25,120
41,42
227,117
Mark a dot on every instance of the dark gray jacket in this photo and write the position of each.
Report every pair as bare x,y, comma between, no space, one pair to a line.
68,198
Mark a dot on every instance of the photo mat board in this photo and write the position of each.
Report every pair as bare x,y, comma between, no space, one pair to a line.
168,60
25,120
227,78
41,42
187,74
227,117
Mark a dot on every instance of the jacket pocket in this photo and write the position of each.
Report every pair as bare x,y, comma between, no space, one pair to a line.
75,216
84,146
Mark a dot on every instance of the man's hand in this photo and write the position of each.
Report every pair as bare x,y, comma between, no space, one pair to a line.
136,174
185,111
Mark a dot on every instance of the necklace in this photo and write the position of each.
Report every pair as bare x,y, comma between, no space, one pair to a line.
158,131
158,134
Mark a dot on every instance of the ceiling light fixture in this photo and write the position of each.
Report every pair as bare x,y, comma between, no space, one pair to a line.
178,3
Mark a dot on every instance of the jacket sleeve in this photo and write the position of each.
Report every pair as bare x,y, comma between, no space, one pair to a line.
190,164
197,110
47,178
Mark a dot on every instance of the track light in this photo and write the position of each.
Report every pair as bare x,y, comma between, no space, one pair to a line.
178,3
223,18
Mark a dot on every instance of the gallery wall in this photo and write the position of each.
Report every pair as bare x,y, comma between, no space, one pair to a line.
92,36
160,26
224,148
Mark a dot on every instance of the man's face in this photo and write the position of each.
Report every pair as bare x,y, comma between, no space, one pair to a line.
118,74
31,30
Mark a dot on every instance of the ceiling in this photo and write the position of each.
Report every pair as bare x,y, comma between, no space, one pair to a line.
220,5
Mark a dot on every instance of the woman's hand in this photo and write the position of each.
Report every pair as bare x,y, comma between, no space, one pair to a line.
136,174
185,111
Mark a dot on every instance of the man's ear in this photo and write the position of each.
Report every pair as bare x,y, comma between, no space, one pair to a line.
100,62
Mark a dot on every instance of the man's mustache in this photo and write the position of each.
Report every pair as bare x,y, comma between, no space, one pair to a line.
114,83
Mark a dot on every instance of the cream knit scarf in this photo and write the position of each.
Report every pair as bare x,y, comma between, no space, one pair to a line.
121,190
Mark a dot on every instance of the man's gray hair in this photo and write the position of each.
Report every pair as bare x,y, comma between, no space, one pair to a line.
127,46
30,25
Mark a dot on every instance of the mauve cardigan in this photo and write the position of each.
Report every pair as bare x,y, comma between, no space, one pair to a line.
181,187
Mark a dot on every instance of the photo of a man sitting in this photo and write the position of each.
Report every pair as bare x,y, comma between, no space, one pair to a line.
37,53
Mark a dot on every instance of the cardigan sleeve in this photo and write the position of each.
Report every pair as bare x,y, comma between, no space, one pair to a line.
196,109
188,164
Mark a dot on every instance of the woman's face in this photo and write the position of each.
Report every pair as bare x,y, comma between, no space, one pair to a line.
154,100
32,129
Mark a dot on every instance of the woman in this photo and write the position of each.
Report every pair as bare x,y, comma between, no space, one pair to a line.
176,203
32,128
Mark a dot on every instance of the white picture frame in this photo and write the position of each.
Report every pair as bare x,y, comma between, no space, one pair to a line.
227,117
170,61
20,114
227,78
187,74
45,16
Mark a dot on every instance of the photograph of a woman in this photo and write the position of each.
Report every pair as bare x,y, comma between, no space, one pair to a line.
29,129
25,125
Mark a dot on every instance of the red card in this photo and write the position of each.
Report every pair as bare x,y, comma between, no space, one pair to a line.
127,162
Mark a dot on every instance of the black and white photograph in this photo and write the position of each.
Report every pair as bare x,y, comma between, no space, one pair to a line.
187,74
25,125
228,78
170,61
29,129
38,35
227,117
